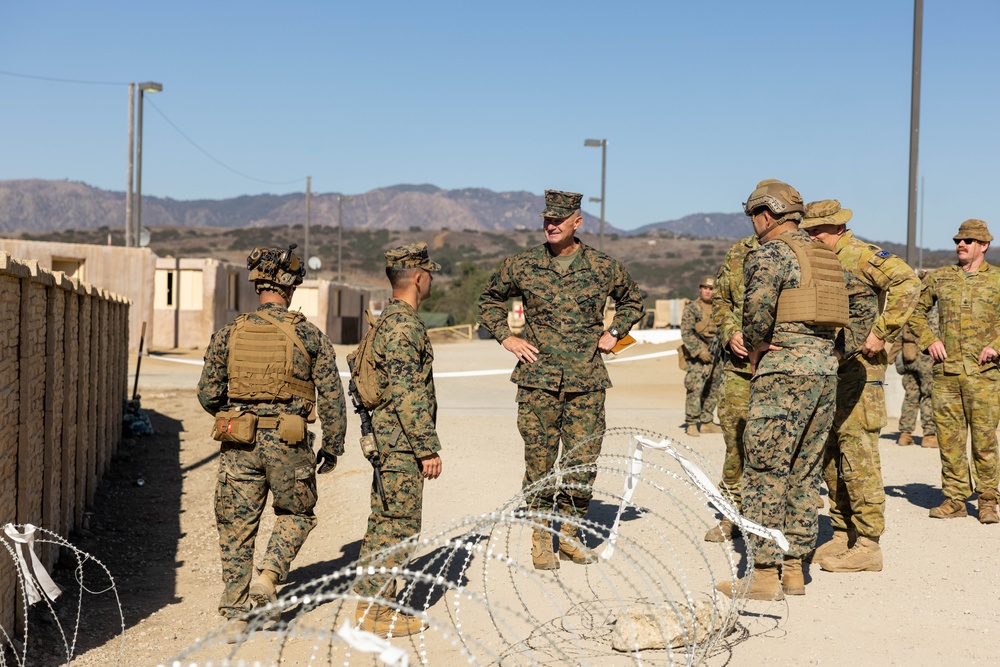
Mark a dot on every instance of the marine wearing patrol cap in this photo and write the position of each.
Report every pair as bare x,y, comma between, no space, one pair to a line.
275,266
559,204
410,256
825,212
974,229
777,196
707,281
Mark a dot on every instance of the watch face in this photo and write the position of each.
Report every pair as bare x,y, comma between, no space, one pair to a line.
613,332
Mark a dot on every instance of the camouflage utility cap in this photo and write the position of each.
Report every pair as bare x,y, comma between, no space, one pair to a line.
825,212
974,229
776,196
559,204
410,256
707,281
276,265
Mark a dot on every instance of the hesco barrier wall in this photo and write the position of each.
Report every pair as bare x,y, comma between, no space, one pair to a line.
63,376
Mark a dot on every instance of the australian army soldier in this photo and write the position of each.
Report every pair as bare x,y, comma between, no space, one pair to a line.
701,345
560,375
966,374
264,375
405,425
795,300
852,467
734,395
916,370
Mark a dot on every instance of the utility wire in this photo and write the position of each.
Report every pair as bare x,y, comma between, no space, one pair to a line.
57,80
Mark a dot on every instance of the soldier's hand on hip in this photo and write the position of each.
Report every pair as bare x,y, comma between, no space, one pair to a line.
325,462
520,348
430,466
987,355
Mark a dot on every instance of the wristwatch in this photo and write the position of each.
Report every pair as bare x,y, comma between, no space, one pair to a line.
614,332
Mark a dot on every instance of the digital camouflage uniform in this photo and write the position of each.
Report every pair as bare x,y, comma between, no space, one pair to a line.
965,394
701,381
734,396
405,431
852,467
792,400
287,469
916,370
560,396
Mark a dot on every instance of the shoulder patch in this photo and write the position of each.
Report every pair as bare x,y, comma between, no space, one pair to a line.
883,254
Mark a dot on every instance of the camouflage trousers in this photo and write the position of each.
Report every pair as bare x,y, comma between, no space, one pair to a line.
734,399
788,422
545,418
852,467
960,402
702,384
918,381
403,481
246,474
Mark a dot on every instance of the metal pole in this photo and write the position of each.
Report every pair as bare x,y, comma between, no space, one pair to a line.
340,238
131,157
911,211
604,166
305,251
138,175
920,256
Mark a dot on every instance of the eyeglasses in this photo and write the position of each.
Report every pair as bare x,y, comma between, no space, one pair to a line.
966,241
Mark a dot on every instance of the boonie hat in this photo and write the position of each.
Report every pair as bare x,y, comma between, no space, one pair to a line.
410,256
559,204
974,229
825,212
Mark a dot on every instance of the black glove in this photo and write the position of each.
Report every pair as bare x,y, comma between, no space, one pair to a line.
325,461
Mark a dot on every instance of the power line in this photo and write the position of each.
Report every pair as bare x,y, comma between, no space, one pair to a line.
215,159
58,80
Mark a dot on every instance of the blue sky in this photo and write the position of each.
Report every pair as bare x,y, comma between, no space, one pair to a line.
698,100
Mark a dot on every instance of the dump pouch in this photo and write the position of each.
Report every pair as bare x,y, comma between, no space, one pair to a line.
291,428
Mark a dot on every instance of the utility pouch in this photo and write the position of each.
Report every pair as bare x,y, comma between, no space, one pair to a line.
235,426
682,357
291,428
910,352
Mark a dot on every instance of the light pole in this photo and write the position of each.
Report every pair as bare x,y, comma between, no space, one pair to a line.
340,236
131,158
603,143
305,252
145,87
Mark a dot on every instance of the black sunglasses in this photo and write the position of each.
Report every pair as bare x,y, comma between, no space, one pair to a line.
966,241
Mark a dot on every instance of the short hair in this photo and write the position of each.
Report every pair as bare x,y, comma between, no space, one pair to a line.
400,277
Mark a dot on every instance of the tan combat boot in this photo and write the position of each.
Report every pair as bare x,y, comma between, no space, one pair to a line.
929,441
841,541
691,430
235,630
905,439
864,556
764,585
542,556
793,582
381,620
571,548
949,509
710,427
724,531
263,592
988,507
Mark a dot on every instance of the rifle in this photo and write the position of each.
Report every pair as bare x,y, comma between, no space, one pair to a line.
368,447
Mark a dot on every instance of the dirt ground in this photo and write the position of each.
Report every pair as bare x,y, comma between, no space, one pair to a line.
934,603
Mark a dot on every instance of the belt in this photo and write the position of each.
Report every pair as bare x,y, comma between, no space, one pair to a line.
267,422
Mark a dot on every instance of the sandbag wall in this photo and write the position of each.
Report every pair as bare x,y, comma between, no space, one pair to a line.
63,376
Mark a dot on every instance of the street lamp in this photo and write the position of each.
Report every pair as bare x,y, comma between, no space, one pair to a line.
603,143
340,236
145,87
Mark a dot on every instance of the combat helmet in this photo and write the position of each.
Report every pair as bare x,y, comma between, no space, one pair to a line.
275,265
777,196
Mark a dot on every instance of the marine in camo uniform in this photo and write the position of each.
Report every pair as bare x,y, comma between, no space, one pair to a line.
916,371
966,373
405,433
247,472
852,467
704,362
734,395
792,394
560,375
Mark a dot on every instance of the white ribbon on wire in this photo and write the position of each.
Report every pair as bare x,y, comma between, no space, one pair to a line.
366,642
37,582
634,468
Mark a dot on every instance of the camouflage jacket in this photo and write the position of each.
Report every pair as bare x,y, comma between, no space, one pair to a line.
698,330
806,349
564,314
727,299
321,367
968,312
407,418
891,282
